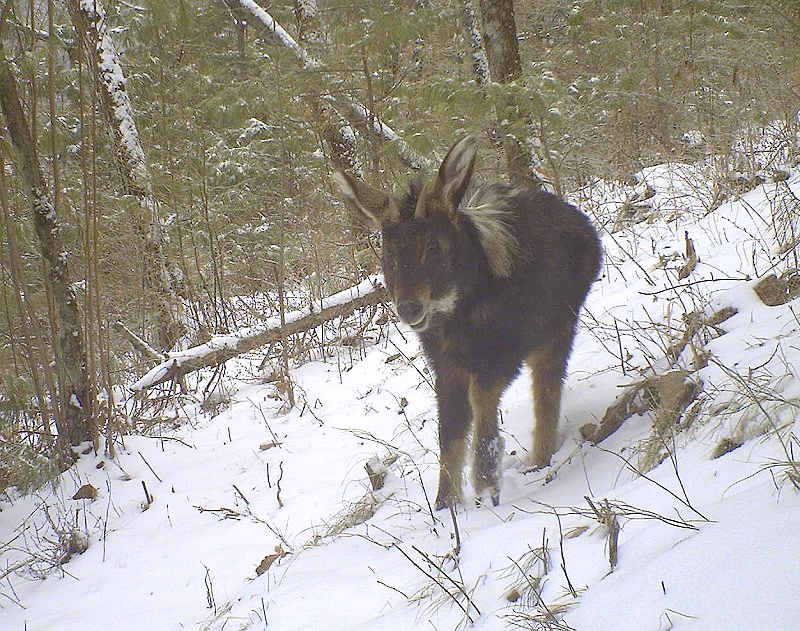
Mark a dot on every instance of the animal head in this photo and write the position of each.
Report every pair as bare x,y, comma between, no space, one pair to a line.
434,248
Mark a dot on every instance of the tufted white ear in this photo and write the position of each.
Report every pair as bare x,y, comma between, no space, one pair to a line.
371,206
455,172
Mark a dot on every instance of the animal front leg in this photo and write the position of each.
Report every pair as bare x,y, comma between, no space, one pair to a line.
454,421
486,441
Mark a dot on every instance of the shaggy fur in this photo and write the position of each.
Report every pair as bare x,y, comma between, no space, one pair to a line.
487,286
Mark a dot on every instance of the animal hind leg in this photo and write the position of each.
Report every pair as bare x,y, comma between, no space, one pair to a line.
548,365
487,443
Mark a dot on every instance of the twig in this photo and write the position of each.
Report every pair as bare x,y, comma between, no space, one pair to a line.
795,479
685,502
535,591
246,501
432,578
380,582
278,484
411,363
458,586
619,343
210,591
15,567
631,257
227,513
694,282
149,467
266,422
147,496
182,442
139,344
455,527
563,557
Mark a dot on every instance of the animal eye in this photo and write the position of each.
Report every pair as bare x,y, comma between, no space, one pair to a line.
432,247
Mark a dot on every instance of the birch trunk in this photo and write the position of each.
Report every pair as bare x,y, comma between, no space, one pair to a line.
480,65
88,16
73,425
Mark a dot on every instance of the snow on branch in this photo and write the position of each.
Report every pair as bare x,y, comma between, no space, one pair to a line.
280,34
115,93
353,108
361,113
221,348
479,64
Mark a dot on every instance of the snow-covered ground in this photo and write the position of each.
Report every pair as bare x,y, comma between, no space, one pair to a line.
704,543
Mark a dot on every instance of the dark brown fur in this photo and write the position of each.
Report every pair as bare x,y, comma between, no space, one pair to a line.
487,285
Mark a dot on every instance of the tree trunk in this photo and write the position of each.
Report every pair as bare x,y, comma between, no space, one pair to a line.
306,15
480,64
500,39
340,138
74,426
502,53
101,54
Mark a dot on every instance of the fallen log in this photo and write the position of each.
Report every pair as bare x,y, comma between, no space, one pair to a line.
221,348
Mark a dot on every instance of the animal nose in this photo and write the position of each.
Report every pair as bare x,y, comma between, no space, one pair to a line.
410,311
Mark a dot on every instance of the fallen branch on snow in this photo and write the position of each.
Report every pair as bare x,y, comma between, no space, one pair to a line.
221,348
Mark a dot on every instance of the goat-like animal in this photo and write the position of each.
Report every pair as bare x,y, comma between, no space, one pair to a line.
488,282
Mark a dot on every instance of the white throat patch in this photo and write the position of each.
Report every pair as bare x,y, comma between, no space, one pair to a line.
445,304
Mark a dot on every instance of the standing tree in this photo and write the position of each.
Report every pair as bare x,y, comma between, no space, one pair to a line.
505,67
102,57
74,425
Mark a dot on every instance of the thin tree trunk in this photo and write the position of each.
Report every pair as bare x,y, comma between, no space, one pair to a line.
37,363
74,426
502,53
101,54
480,65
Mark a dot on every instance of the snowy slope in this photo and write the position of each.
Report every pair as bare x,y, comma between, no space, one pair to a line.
704,543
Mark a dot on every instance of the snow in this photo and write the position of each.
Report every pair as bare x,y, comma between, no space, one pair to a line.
704,543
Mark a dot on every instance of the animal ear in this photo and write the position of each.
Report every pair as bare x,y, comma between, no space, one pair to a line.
456,171
371,206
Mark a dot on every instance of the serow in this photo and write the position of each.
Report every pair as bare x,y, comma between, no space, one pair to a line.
488,276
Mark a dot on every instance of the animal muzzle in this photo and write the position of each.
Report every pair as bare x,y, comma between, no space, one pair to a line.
412,312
